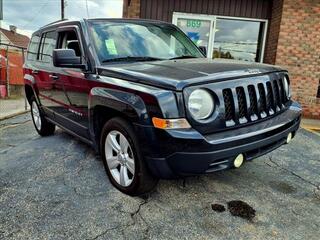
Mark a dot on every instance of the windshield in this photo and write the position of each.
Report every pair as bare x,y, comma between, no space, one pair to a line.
143,41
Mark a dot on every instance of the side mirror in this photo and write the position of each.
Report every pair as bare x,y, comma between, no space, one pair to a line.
66,58
203,49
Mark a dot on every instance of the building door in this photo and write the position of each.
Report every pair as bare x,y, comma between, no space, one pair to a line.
199,28
225,37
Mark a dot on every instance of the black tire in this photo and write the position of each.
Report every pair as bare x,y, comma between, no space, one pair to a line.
143,182
46,128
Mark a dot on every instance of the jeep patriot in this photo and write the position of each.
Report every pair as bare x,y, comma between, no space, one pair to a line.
145,97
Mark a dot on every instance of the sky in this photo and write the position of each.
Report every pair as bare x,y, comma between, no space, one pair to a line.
29,15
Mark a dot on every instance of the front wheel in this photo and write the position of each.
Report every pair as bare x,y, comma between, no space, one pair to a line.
43,127
123,162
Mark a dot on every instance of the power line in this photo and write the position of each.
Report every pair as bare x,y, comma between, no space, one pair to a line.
36,15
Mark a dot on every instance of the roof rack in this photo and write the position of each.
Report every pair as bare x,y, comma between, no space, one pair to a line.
61,20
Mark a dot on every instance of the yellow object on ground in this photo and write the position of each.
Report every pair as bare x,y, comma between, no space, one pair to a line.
311,125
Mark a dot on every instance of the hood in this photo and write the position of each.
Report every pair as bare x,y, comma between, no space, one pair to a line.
178,74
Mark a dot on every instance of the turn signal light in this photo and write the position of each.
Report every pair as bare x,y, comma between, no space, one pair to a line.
180,123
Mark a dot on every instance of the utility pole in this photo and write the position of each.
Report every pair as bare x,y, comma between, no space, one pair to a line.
62,9
1,10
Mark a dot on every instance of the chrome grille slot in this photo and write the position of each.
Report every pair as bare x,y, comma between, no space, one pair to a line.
282,92
242,103
262,100
229,105
253,109
276,94
270,99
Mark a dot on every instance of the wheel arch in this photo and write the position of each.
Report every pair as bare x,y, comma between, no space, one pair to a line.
29,92
105,104
29,88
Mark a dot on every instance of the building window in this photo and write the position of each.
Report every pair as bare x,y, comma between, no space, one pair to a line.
237,39
318,93
225,37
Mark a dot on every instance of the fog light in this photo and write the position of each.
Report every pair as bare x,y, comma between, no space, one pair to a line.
289,137
238,161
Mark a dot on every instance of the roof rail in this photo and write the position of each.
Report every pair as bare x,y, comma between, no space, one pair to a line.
61,20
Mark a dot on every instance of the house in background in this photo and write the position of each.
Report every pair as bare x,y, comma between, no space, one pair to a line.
11,60
281,32
13,38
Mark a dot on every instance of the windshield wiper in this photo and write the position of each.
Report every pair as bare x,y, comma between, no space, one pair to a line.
130,58
183,57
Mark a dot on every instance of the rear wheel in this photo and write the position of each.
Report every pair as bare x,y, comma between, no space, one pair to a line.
123,162
43,127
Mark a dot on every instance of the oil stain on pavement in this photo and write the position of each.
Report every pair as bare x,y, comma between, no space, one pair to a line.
282,187
237,208
218,207
241,209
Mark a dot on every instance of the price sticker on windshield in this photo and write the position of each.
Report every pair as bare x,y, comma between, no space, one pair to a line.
111,47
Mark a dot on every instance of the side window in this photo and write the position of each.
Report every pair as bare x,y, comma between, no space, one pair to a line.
48,43
69,40
33,48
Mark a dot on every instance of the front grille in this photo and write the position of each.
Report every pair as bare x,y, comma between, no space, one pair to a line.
254,101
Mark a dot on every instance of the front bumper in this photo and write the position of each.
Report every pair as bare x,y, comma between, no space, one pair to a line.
186,152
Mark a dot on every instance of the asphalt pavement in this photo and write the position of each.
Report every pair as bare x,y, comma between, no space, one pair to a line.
56,188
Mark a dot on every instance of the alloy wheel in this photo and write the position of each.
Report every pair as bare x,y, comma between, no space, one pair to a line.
36,115
120,158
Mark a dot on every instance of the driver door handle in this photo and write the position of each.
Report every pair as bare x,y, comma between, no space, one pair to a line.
54,76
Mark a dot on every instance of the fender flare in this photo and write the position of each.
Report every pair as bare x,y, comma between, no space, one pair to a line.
127,103
30,81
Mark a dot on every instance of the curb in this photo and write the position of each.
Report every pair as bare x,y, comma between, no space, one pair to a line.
311,130
313,127
14,115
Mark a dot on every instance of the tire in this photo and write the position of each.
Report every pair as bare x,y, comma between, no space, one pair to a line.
122,159
43,127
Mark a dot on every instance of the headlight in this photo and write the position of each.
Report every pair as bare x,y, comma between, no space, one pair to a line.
286,86
200,104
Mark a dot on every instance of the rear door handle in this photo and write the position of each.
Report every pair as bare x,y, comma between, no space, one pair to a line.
54,76
35,71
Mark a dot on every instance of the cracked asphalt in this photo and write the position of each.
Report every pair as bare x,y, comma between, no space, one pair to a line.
56,188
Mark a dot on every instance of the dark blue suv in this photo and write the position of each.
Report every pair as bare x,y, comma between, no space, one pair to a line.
144,96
